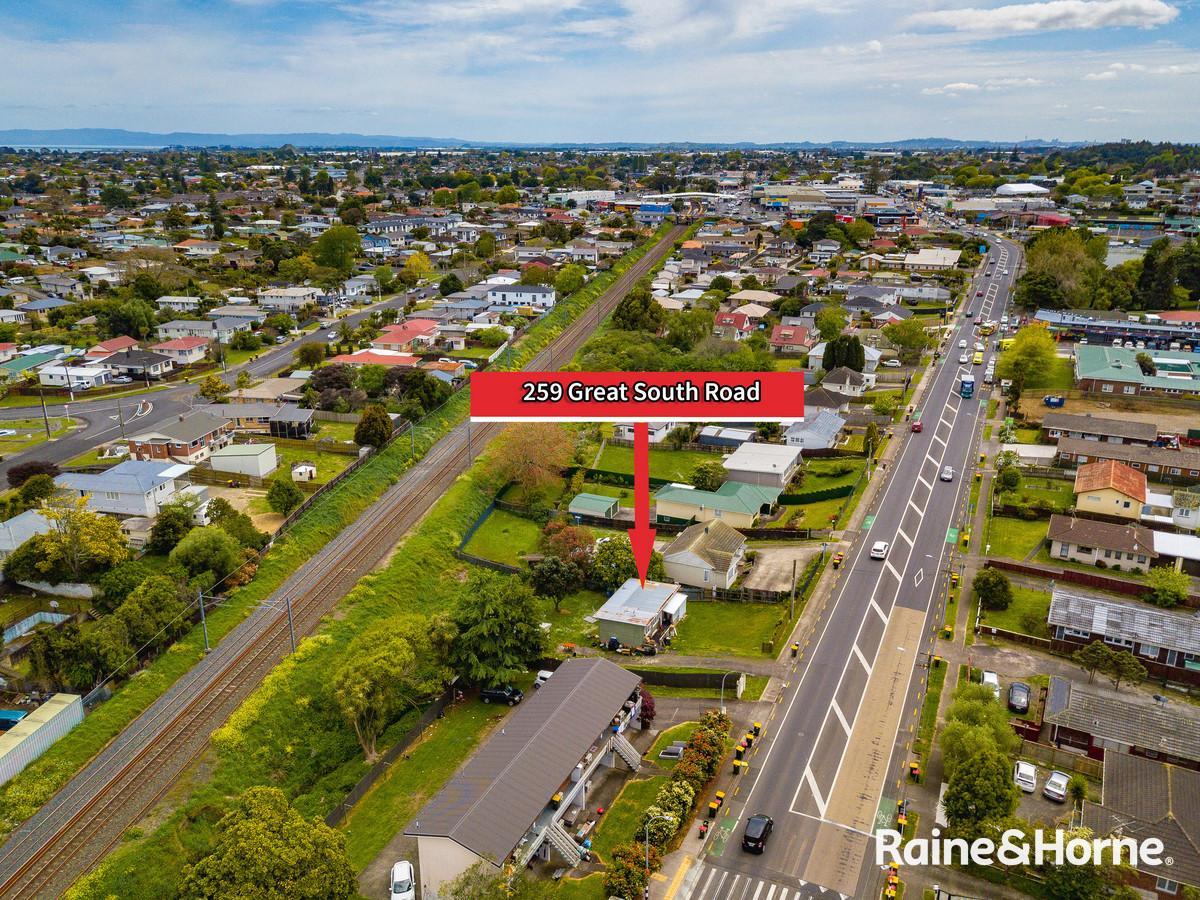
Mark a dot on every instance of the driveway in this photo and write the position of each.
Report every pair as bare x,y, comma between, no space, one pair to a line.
773,566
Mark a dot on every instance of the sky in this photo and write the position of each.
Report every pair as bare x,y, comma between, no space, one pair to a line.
609,70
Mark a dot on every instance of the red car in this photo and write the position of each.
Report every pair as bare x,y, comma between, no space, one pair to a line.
917,427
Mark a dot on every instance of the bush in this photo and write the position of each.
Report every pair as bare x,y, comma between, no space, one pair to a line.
993,589
208,549
625,875
22,472
283,495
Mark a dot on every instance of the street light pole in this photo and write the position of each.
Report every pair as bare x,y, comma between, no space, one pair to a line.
723,677
203,620
45,417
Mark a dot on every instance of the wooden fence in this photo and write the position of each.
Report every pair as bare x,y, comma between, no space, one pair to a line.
1052,757
1087,579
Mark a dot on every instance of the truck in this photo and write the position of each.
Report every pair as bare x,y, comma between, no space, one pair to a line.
967,387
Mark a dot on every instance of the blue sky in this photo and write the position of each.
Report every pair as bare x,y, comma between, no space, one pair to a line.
609,70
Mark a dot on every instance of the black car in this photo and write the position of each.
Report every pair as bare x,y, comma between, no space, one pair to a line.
758,829
506,694
1018,697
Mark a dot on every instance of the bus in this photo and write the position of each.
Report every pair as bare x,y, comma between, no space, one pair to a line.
977,360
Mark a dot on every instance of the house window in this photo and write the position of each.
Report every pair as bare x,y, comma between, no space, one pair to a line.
1076,633
1086,550
1166,885
1119,642
111,495
1141,557
1108,554
716,513
706,576
1130,389
1064,550
1126,504
1106,388
1148,650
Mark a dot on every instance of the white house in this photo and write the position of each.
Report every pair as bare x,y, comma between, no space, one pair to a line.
538,295
77,378
183,351
288,299
258,460
767,465
657,431
134,487
178,304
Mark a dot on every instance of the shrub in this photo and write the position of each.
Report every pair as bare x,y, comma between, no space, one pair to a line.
660,824
625,875
993,589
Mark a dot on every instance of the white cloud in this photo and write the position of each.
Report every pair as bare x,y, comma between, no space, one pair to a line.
1114,70
995,84
1053,15
951,90
1106,75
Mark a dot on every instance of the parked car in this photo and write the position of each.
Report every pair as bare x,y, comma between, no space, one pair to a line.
964,358
403,884
947,473
758,831
331,336
917,427
542,677
979,293
892,363
505,694
962,344
1025,776
1018,697
1055,787
280,339
879,550
122,379
992,680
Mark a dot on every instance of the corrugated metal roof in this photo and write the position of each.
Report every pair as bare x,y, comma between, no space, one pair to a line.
1099,616
490,804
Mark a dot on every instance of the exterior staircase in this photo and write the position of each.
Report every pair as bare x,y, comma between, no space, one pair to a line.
627,751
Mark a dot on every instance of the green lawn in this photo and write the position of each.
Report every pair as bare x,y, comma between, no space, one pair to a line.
1028,435
1026,601
505,537
30,433
717,628
621,822
472,353
328,464
623,495
673,465
1060,378
17,606
755,685
808,515
414,778
1058,492
334,431
589,888
923,743
680,732
1014,538
92,458
822,474
987,432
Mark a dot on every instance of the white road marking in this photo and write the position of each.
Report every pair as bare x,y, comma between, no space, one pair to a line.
918,578
862,659
757,891
841,717
900,534
878,611
812,786
888,565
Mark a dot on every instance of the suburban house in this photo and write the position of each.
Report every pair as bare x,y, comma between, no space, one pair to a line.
133,487
732,326
1057,425
289,299
824,250
412,335
1173,509
635,614
1166,642
871,357
1095,719
1116,371
598,505
820,432
932,259
1110,488
189,439
540,296
141,364
221,330
257,460
20,528
183,351
735,502
1102,544
1143,798
706,554
75,378
531,781
271,390
371,357
767,465
1164,463
178,304
725,436
790,339
105,349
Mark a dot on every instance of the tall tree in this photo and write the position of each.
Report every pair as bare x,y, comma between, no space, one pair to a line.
337,248
216,218
374,427
980,790
499,630
638,311
844,350
532,456
264,848
830,321
1031,358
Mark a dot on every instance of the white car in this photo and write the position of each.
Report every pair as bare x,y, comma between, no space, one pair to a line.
964,358
402,883
879,550
1055,787
331,336
1025,776
542,677
992,680
978,348
962,345
948,473
891,363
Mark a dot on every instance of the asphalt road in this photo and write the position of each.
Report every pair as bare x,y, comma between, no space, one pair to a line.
827,768
103,418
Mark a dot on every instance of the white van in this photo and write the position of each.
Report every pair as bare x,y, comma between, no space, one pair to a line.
992,680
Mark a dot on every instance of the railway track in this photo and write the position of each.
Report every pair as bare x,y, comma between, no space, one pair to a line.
87,817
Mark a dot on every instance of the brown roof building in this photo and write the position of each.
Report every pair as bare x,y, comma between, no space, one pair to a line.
1105,545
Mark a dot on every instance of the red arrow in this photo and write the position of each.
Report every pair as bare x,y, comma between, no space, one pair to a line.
641,536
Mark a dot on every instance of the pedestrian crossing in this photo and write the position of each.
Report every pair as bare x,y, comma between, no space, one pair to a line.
723,884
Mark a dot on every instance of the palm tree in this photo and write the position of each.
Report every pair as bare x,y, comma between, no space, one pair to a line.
345,335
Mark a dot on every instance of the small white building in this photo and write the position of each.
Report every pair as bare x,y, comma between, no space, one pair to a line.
178,304
258,460
133,487
304,471
540,296
705,555
77,378
766,465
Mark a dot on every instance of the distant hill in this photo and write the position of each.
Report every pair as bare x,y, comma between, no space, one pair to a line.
121,138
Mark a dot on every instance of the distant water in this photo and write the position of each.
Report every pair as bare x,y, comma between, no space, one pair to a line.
80,148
